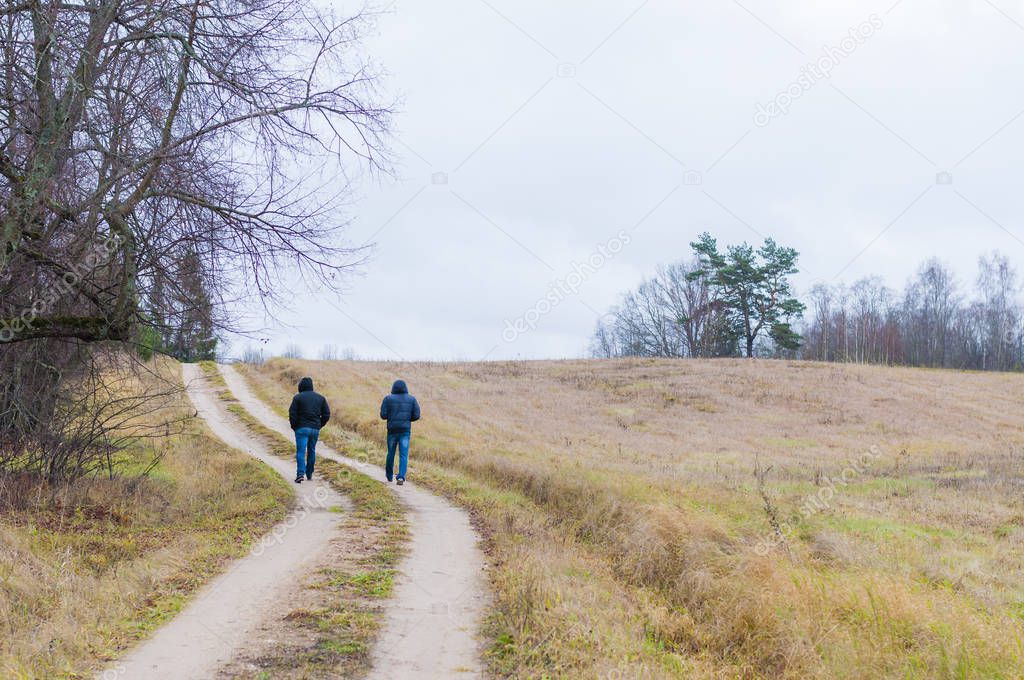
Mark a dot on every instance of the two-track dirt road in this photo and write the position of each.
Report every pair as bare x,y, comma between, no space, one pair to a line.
431,623
224,614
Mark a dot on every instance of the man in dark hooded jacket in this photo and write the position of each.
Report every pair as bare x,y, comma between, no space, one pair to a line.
308,413
400,409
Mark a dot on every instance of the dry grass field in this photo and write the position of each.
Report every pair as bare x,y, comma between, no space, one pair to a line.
631,537
88,569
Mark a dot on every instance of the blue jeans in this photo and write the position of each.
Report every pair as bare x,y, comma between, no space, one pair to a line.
401,441
305,450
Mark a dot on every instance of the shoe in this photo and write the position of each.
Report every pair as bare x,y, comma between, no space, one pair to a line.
309,475
298,479
401,481
389,480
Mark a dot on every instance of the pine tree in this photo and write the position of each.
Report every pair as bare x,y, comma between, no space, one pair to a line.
755,286
196,336
180,312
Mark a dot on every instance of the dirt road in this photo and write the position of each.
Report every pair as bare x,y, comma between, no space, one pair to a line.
220,620
431,623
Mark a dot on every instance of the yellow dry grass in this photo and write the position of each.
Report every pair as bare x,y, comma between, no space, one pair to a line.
86,570
631,540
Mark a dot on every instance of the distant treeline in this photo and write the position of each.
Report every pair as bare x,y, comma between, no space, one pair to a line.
935,321
687,309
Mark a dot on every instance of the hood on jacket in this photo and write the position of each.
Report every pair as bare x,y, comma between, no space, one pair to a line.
306,385
399,387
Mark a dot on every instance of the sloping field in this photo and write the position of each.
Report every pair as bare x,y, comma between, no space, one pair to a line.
632,539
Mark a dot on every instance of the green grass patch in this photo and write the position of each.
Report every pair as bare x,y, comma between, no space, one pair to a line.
789,442
883,529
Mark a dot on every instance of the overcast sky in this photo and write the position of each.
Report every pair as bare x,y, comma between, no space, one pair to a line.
534,136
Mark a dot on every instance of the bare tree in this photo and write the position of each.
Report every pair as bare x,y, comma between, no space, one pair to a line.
674,314
818,334
139,135
252,356
158,128
1000,312
698,311
870,301
603,342
930,304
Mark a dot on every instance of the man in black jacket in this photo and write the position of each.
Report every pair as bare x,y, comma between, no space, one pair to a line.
400,409
308,413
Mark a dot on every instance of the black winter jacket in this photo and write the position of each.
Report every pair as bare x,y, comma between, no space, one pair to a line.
400,409
308,408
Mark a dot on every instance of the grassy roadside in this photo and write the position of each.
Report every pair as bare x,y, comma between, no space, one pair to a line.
87,571
626,522
342,614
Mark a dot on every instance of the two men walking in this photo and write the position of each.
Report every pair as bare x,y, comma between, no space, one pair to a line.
309,412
